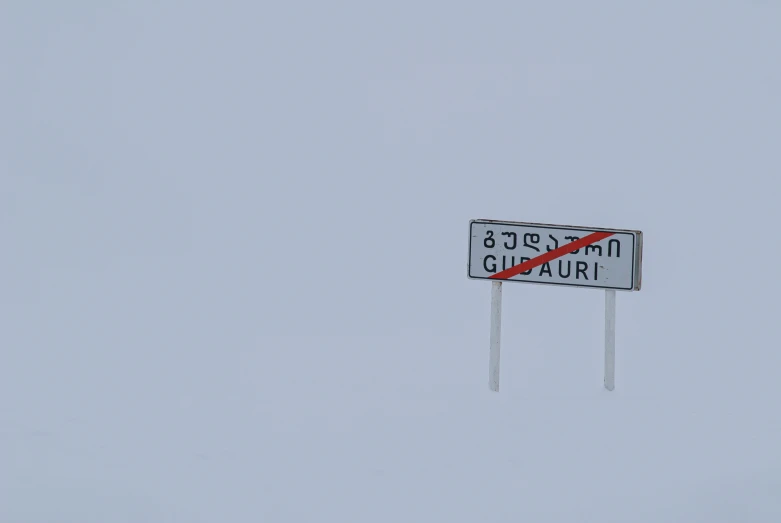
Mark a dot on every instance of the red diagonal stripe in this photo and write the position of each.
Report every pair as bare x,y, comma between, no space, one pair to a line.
594,237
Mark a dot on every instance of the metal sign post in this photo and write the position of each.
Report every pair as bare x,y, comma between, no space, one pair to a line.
608,259
610,339
496,335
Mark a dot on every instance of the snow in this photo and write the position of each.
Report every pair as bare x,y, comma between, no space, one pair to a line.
234,262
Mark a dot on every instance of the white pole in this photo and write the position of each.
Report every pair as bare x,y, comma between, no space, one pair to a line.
496,333
610,339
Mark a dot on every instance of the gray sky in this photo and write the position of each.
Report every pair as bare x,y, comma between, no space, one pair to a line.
234,261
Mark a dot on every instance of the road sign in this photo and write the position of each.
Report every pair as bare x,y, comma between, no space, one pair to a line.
609,259
555,254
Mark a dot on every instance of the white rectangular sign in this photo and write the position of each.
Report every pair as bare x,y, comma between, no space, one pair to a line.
555,254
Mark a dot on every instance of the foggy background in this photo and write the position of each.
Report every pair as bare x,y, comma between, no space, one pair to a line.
234,245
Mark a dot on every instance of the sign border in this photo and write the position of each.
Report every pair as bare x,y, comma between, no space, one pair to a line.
637,254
